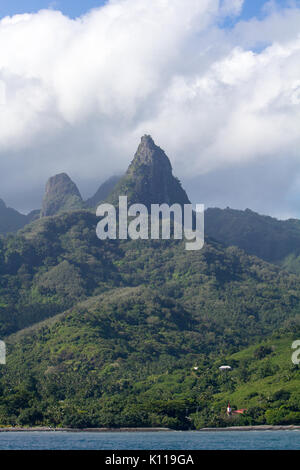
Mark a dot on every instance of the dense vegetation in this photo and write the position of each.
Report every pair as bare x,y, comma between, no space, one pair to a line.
132,333
127,358
56,262
124,323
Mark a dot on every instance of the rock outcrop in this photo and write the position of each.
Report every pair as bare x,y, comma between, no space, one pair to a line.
149,178
62,195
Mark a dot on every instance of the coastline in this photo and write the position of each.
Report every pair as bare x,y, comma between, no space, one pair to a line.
132,430
253,428
99,430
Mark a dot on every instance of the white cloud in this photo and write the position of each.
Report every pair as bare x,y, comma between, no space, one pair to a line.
244,107
80,91
280,25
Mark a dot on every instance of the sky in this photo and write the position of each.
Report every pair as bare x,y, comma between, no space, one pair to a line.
215,82
71,8
76,8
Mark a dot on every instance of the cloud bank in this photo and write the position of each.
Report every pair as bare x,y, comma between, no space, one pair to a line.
76,95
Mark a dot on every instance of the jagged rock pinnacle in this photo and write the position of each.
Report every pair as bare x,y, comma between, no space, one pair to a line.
149,178
61,195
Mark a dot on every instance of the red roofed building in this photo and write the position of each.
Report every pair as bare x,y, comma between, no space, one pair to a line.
240,412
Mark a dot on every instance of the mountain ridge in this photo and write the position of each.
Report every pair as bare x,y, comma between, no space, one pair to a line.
149,179
11,220
273,240
102,192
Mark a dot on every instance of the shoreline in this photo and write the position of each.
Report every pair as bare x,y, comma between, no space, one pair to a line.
263,427
98,430
132,430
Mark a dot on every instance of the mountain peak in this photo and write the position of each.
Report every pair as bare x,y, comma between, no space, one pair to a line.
149,154
149,178
60,177
61,195
147,140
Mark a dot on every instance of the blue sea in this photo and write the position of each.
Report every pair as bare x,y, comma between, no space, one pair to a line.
246,440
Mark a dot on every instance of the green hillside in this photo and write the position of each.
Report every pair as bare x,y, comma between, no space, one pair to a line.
127,322
275,241
265,382
58,261
127,358
132,333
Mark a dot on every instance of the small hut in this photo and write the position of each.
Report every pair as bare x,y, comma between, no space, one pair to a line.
225,368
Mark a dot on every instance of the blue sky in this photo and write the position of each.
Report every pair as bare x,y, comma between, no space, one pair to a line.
255,7
75,8
72,8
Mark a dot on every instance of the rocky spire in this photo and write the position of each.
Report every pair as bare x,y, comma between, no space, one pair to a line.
149,178
61,195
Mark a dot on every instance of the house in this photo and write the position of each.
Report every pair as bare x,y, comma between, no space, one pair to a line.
239,412
225,368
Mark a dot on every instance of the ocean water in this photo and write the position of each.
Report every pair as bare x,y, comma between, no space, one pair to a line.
246,440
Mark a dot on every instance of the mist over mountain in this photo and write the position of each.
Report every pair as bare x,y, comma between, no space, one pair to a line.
149,180
103,192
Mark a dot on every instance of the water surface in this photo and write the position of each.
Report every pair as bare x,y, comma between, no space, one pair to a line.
245,440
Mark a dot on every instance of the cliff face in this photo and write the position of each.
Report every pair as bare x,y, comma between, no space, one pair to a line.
149,178
62,195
